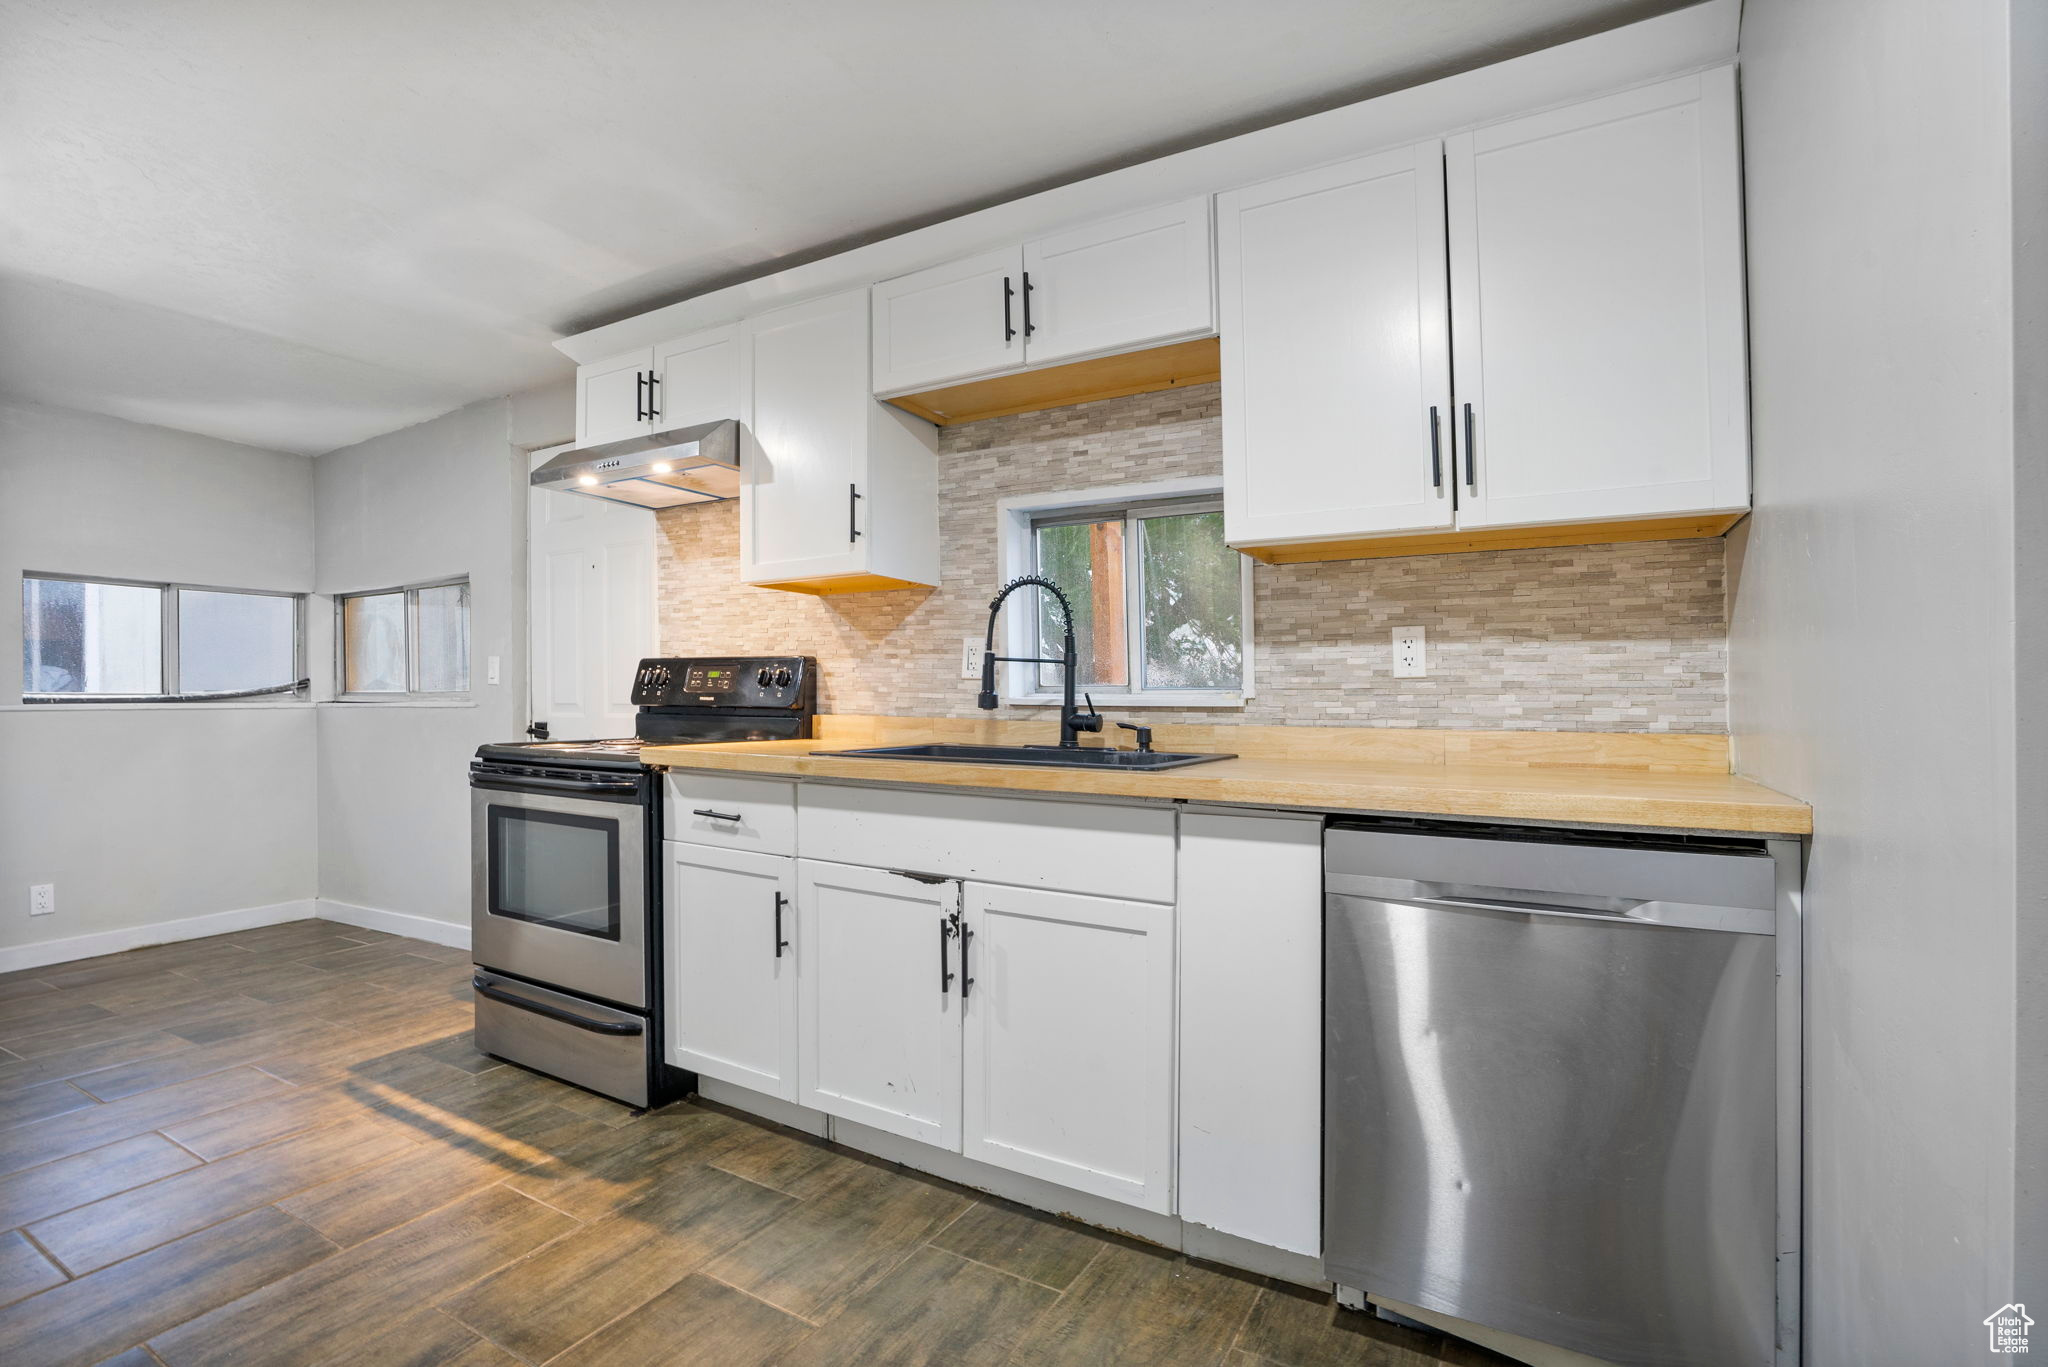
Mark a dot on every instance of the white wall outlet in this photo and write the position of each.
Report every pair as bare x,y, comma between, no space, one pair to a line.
42,899
491,669
970,657
1409,660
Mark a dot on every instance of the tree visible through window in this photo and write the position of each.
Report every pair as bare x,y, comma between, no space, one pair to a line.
1158,598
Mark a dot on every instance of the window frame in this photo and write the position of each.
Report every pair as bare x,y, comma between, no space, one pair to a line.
299,690
412,692
1018,519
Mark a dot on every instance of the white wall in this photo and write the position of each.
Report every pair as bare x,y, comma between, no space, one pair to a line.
445,498
147,814
1872,639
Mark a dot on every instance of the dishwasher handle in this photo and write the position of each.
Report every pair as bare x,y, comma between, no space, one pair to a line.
1528,902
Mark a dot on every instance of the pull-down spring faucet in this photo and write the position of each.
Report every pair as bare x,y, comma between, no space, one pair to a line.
1072,720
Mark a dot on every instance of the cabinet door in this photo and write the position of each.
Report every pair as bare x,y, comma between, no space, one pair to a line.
698,379
1131,282
1068,1073
879,1039
611,397
1596,269
804,456
731,957
1336,367
949,323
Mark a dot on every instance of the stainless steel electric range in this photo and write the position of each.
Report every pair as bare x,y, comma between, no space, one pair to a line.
565,901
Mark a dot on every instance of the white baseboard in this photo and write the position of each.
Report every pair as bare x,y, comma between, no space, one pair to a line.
14,958
449,933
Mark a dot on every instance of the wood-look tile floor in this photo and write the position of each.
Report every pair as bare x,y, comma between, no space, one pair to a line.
280,1146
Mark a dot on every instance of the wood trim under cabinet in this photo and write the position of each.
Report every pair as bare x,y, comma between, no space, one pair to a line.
843,583
1455,541
1105,377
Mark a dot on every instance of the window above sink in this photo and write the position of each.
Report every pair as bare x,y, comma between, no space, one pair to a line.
1162,608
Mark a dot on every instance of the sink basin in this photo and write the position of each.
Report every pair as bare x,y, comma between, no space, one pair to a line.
1038,756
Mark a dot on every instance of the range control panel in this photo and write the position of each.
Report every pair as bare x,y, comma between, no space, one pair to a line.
729,681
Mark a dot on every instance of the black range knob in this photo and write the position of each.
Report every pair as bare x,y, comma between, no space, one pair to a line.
765,676
782,677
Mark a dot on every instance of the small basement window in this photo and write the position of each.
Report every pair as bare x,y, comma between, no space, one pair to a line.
1162,607
404,642
109,640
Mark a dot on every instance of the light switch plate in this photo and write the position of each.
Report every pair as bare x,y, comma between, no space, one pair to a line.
1410,661
491,669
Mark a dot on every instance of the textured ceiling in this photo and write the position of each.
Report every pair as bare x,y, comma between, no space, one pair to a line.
300,224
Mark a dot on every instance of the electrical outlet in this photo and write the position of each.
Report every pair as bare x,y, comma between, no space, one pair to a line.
970,657
1409,660
42,899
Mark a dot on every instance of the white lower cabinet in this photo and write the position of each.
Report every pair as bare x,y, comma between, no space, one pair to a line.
879,1015
732,966
1068,1068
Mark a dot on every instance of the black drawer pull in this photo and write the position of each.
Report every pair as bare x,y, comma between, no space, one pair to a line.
1009,293
781,944
485,988
1471,460
945,955
1436,449
706,812
965,981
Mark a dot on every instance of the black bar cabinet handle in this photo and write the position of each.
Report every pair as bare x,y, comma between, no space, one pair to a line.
966,981
653,411
1471,461
485,988
1029,328
1009,292
781,900
716,816
945,955
852,512
639,396
1436,449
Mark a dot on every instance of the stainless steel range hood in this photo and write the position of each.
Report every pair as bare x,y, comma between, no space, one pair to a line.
698,464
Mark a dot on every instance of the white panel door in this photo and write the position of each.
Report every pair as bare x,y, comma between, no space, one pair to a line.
1596,269
590,621
878,1001
1131,282
1068,1073
698,379
731,965
949,323
1336,364
611,397
805,456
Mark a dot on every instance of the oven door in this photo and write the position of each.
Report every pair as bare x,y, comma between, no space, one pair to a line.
559,882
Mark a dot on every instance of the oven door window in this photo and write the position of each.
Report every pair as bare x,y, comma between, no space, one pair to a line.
555,869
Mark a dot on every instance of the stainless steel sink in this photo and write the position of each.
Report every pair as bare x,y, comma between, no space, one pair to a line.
1038,756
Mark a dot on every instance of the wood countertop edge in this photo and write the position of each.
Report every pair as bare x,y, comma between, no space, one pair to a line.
1701,802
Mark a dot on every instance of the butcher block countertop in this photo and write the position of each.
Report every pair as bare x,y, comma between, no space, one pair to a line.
1674,782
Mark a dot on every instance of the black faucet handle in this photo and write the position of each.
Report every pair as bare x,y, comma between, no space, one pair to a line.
1144,736
1090,722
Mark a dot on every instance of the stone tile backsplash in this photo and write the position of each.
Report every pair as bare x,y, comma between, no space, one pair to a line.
1592,638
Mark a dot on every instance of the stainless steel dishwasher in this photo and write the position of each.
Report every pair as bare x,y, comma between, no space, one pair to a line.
1551,1085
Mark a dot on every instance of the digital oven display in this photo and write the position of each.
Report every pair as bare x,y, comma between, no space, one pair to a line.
709,679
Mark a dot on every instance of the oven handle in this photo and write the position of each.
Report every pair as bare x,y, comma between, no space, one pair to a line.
485,988
503,783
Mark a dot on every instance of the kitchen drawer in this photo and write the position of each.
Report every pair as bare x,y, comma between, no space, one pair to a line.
1103,849
763,812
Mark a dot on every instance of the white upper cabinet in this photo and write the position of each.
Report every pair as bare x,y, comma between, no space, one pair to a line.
838,493
1069,1040
1136,280
692,380
611,397
879,1000
1130,282
1596,270
1336,367
697,379
731,958
949,323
